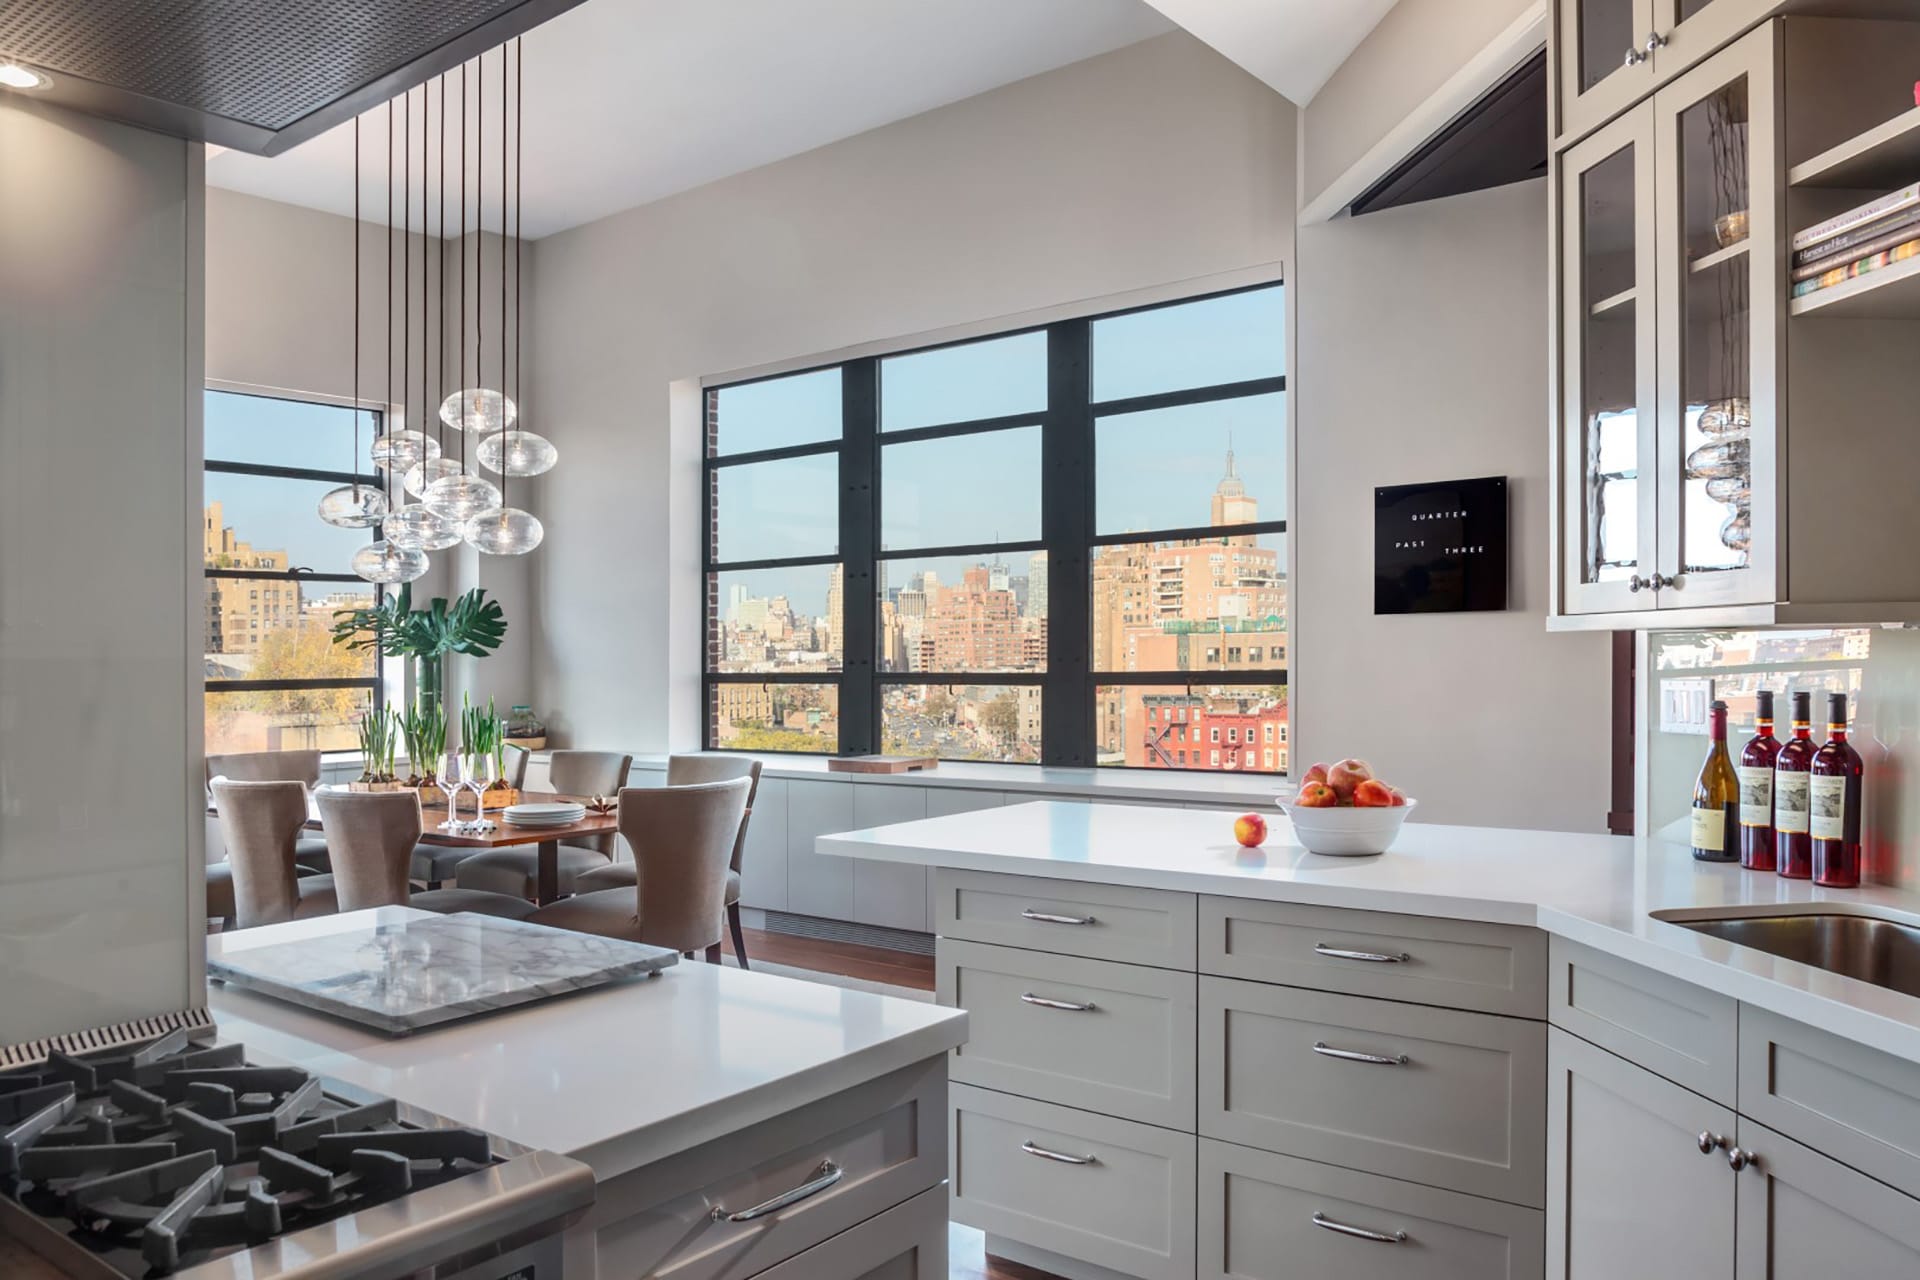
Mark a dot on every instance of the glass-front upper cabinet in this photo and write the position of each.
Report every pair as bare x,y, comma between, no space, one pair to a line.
1718,290
1614,52
1608,415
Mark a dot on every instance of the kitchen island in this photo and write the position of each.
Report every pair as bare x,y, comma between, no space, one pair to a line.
1491,1043
696,1094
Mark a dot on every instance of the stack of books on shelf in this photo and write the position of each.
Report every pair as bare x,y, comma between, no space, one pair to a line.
1874,236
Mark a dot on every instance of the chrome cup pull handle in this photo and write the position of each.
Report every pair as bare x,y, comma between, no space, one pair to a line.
1068,1005
1058,1157
1371,957
823,1177
1359,1233
1326,1050
1048,917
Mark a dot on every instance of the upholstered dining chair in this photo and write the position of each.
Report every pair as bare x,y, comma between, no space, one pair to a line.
516,870
690,770
434,864
277,766
261,822
682,838
370,835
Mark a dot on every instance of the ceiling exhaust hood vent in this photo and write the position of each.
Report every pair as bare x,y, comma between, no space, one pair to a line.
1501,138
255,75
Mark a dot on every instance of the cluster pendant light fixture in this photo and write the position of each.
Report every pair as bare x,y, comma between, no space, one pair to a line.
453,501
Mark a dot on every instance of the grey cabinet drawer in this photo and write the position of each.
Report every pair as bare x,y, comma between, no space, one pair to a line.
1437,1096
1102,922
1269,1217
1457,964
1128,1053
1858,1105
1103,1191
1672,1028
887,1139
907,1242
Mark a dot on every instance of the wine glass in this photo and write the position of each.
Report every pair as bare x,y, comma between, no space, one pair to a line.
451,777
481,774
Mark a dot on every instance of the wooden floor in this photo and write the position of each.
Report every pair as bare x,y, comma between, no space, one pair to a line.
967,1257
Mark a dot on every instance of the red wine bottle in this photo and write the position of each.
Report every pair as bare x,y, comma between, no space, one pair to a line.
1834,796
1716,796
1756,789
1792,835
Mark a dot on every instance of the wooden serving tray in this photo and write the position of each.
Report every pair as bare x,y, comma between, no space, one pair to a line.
880,764
435,798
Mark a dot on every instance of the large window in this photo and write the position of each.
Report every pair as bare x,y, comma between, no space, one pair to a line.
1065,545
275,575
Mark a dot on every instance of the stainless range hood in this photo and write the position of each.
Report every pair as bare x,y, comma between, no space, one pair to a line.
255,75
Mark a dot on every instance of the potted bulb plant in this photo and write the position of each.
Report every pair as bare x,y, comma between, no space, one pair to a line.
426,737
379,738
482,734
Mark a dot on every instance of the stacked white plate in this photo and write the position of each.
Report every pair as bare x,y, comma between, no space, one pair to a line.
562,813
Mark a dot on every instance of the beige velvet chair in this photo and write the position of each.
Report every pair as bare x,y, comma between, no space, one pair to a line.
682,838
689,770
515,871
370,836
275,766
434,864
261,822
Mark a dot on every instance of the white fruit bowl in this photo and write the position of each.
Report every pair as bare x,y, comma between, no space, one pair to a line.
1347,833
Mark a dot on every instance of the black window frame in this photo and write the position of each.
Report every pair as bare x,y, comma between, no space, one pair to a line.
376,683
1070,683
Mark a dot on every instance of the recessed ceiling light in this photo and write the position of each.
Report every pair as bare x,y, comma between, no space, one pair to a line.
15,76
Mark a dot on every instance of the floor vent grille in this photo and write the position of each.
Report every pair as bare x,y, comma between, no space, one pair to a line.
866,935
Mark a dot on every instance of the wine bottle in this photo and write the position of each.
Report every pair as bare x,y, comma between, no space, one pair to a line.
1793,841
1756,789
1716,796
1833,792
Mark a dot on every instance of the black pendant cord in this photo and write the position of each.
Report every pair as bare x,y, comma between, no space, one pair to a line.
519,207
503,277
356,299
388,477
479,213
440,344
460,334
406,271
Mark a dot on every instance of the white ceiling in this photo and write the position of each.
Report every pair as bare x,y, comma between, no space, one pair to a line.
628,101
1292,45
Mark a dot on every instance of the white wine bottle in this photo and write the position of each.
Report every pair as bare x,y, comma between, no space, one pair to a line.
1716,796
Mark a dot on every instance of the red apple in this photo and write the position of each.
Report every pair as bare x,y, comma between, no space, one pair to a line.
1373,794
1250,829
1345,776
1399,797
1317,773
1316,795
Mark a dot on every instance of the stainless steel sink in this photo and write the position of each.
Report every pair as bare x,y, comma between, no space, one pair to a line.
1883,952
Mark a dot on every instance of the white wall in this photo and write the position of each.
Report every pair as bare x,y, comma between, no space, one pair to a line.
100,339
1423,356
280,319
1155,164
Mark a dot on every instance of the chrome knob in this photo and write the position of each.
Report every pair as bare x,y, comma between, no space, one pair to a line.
1655,41
1634,58
1709,1142
1659,580
1738,1159
1636,582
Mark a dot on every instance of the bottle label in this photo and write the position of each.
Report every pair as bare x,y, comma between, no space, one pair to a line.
1790,802
1829,803
1756,795
1710,830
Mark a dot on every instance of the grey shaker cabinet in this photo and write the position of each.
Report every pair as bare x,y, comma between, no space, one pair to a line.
763,861
1805,1217
893,894
1630,1192
818,885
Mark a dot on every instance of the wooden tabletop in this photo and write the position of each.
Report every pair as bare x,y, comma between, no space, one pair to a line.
505,833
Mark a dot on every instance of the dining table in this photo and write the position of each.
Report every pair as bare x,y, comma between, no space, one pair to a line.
505,835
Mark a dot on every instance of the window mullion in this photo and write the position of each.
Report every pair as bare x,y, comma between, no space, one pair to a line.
1066,509
859,552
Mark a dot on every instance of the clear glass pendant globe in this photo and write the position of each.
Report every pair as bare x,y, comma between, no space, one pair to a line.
422,528
518,453
384,562
354,506
479,410
462,496
400,450
422,474
504,531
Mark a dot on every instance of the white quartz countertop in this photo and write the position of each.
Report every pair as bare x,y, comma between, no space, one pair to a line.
624,1075
1593,889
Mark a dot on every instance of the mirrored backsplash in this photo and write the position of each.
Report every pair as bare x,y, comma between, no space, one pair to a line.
1877,667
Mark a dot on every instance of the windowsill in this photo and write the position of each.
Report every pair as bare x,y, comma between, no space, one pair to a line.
1039,782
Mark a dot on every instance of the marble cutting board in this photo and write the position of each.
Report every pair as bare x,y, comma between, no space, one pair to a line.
398,969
